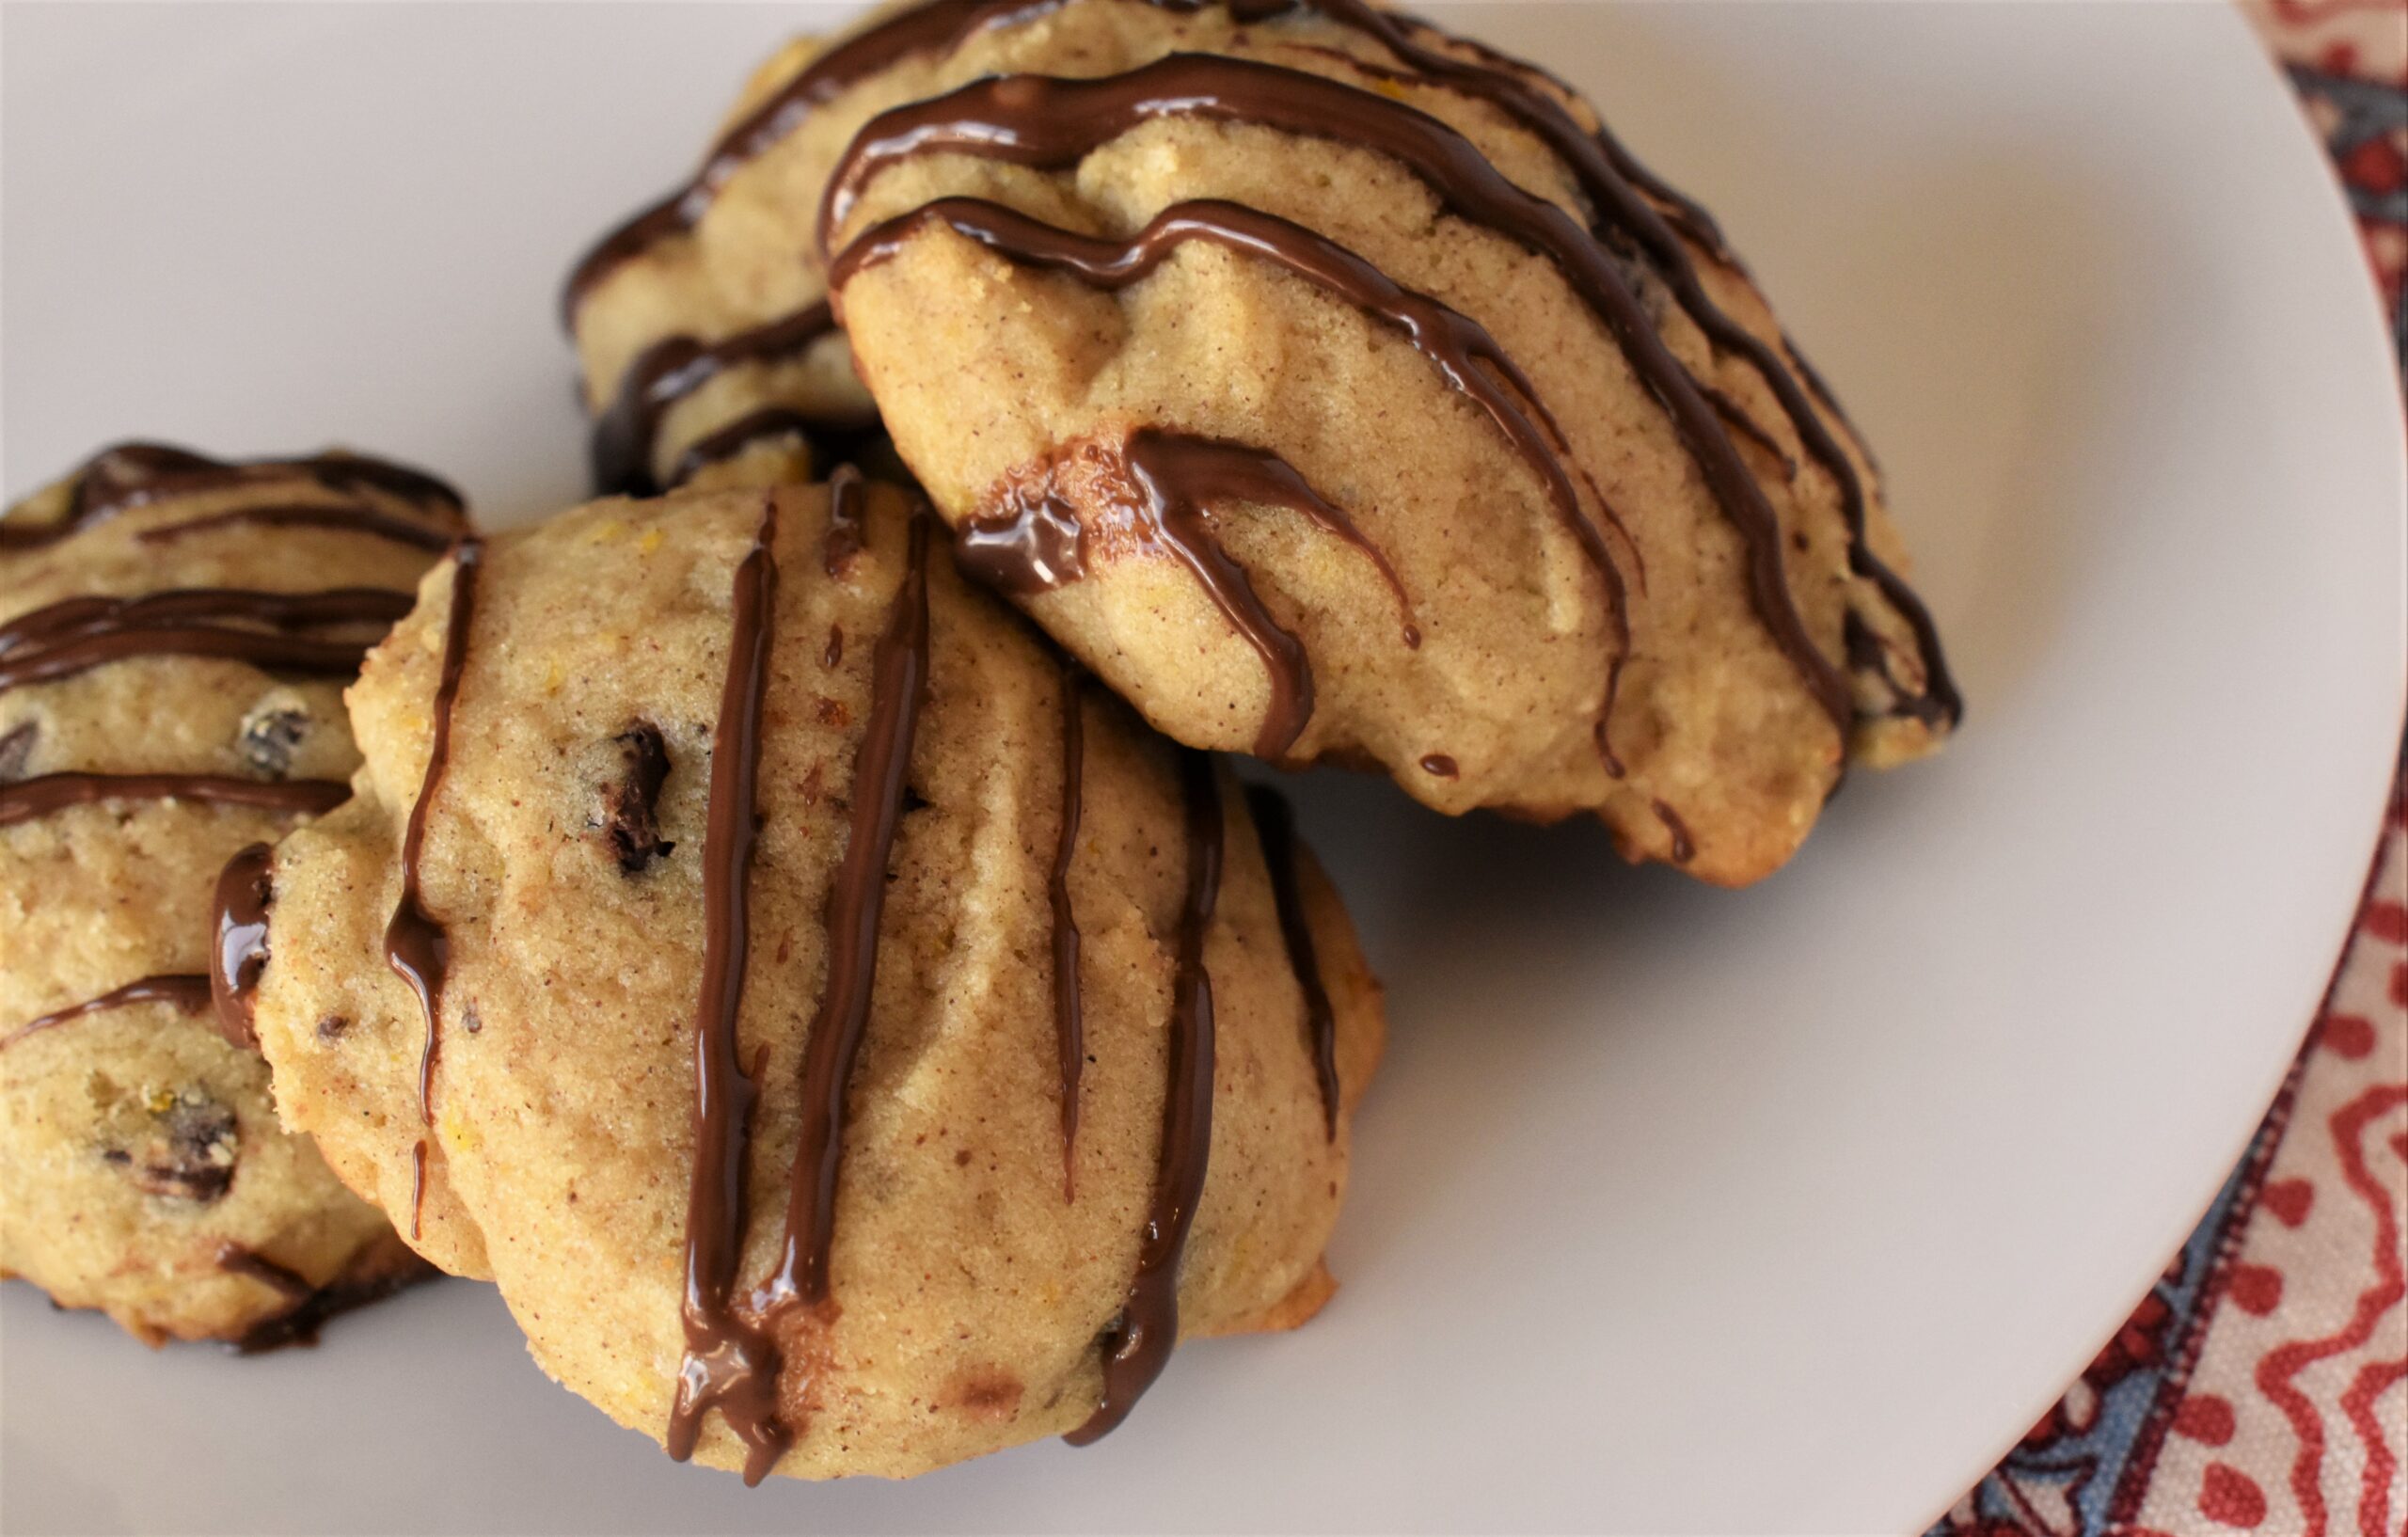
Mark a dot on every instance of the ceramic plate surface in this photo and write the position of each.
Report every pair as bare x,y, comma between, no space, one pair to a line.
1783,1210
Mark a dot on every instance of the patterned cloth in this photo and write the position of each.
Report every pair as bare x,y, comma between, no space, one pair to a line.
2263,1385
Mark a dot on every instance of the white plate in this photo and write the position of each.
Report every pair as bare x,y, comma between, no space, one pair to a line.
1777,1211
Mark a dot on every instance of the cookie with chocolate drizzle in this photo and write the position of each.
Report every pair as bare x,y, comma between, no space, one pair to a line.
852,1041
175,634
1334,388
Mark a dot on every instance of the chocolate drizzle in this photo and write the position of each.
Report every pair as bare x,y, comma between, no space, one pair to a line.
76,634
626,434
927,28
1178,477
730,1364
246,890
1275,825
1138,1343
1070,1024
126,475
881,765
417,945
340,520
46,794
188,994
830,441
311,1305
1032,543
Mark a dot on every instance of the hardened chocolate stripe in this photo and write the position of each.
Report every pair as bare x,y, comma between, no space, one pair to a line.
1275,826
1138,1344
626,434
79,634
730,1364
1070,1021
189,994
417,945
127,475
881,766
45,794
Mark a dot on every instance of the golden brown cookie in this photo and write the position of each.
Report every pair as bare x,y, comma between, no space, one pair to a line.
851,1040
1332,388
175,633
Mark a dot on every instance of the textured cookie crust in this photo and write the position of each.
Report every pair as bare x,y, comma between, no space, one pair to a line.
565,855
1758,657
147,1175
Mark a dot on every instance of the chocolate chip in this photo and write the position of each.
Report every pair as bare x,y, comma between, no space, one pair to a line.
17,750
269,736
630,823
191,1154
333,1027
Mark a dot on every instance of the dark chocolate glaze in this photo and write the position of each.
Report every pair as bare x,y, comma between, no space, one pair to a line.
1070,1023
45,794
312,1306
188,993
1179,478
628,434
340,520
730,1364
1033,542
1138,1343
928,28
417,945
246,890
1275,826
831,441
881,766
135,474
1048,123
79,633
1684,848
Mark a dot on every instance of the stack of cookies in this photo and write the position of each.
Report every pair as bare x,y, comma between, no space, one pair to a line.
787,924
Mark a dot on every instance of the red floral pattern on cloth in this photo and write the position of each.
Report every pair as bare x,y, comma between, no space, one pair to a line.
2262,1385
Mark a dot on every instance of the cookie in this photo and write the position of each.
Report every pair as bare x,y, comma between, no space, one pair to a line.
850,1039
1334,388
175,633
